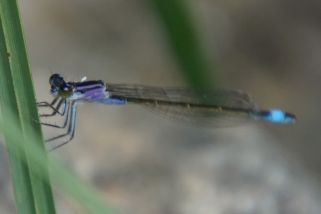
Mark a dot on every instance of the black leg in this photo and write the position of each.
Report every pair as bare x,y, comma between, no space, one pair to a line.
71,128
64,125
55,109
44,104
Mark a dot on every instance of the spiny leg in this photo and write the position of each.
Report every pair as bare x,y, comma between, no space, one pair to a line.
71,128
64,125
68,122
55,109
44,103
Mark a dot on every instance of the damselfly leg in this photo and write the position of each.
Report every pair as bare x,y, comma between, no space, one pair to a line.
69,112
65,113
70,123
53,106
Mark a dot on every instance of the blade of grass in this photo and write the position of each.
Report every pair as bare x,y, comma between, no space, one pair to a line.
184,42
25,97
69,183
18,166
30,132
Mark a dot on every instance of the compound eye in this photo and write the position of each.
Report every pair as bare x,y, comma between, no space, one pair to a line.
56,80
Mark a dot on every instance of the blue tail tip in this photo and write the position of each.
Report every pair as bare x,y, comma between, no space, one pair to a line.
278,116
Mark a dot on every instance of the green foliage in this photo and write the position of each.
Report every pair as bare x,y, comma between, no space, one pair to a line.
184,42
25,112
17,159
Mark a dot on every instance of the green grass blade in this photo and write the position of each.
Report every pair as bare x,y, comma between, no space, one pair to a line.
30,132
185,43
69,183
18,166
28,114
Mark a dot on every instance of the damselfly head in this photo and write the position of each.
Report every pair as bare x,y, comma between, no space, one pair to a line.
58,85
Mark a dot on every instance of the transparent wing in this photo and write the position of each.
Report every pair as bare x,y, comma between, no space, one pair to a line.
200,117
228,99
219,107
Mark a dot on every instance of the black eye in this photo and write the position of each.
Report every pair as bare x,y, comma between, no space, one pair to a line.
56,80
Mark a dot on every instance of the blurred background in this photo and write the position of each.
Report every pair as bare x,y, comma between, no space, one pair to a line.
142,163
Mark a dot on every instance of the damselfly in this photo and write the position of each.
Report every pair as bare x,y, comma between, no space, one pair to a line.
175,102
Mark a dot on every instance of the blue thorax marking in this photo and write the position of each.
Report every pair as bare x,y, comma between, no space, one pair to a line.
96,91
88,85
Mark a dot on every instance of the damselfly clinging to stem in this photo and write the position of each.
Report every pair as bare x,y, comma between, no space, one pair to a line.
175,102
